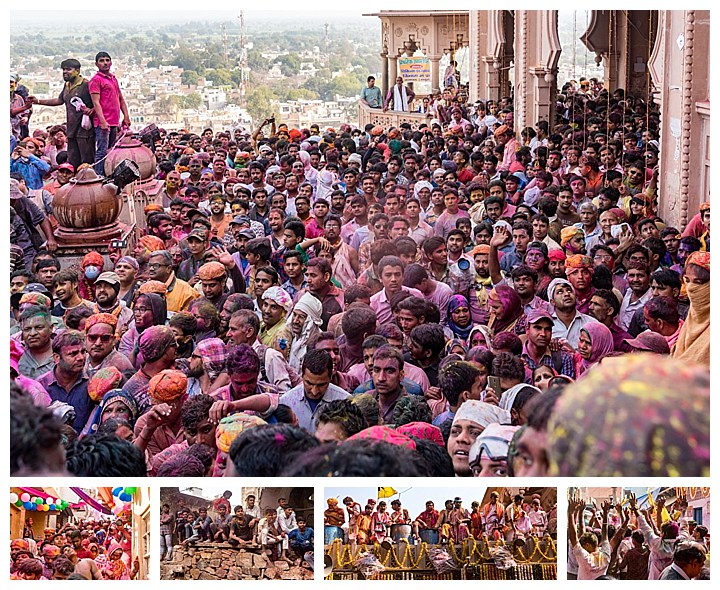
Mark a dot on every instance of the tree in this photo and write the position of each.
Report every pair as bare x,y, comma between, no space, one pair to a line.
260,103
189,78
192,101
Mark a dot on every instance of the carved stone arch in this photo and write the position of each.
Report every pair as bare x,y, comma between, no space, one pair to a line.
552,37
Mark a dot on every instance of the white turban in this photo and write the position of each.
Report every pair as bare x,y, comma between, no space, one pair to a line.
481,413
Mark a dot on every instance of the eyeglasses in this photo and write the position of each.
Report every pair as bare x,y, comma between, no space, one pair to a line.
104,338
142,309
156,265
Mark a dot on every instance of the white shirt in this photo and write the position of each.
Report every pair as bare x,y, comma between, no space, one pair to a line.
592,565
628,309
570,333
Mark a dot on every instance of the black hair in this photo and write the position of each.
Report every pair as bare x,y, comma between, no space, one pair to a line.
523,270
429,337
196,409
435,457
185,321
345,414
411,408
357,458
99,455
602,277
507,365
295,226
456,377
541,408
317,362
265,451
34,433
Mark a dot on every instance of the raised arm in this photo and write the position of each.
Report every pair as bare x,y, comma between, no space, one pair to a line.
499,238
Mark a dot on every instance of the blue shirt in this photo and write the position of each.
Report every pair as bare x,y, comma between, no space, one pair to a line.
77,397
303,540
32,169
410,386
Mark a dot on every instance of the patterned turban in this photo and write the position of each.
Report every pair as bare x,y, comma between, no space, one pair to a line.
231,426
576,262
698,258
279,296
568,233
638,414
93,259
154,341
153,287
385,434
214,356
168,385
101,318
424,431
103,381
19,545
35,299
51,551
152,243
377,130
211,270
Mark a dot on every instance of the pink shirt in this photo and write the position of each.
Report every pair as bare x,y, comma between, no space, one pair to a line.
106,85
381,306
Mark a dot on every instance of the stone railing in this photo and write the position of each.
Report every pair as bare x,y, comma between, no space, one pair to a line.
389,118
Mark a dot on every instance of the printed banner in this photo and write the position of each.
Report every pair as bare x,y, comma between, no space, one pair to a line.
414,69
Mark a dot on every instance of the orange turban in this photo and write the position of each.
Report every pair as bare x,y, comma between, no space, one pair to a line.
211,270
101,318
481,249
152,243
168,385
568,233
103,381
698,258
153,287
576,262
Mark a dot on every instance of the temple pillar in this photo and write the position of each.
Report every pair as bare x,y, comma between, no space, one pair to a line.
492,78
478,27
435,73
384,73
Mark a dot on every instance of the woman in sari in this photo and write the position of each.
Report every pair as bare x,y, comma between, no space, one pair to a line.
112,565
459,319
595,342
149,309
506,311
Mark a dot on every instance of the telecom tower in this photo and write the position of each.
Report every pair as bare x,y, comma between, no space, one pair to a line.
327,46
244,69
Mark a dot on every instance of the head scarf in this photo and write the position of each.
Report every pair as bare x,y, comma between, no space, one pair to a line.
512,308
310,306
168,385
493,442
279,296
556,254
129,260
699,258
629,417
421,185
214,356
456,302
159,308
114,395
332,502
507,399
101,318
231,426
484,331
103,381
93,259
152,243
211,270
602,342
568,233
481,413
554,284
385,434
424,431
577,261
154,341
454,343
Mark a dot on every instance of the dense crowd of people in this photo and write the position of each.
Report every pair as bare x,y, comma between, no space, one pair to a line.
628,543
86,550
373,523
464,298
278,532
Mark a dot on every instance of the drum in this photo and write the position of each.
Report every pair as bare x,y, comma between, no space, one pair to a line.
400,531
332,533
430,536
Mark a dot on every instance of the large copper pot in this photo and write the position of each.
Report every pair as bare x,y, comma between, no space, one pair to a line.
129,148
87,209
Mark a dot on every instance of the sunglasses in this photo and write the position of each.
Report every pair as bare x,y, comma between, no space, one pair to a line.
104,338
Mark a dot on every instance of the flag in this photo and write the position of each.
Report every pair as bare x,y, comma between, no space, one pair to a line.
386,492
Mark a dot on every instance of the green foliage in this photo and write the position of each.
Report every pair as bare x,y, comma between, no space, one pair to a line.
261,102
189,78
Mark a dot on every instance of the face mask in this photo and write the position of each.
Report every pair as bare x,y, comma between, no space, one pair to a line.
92,272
